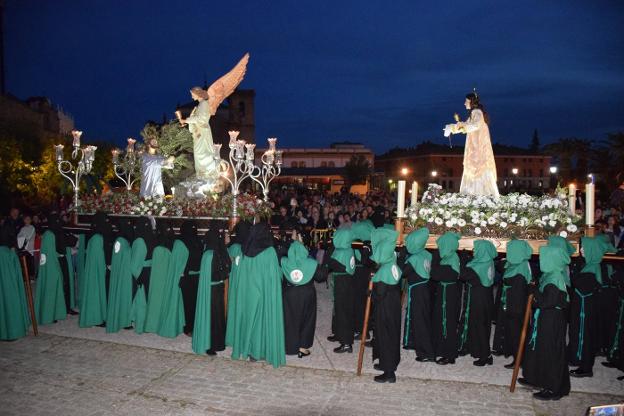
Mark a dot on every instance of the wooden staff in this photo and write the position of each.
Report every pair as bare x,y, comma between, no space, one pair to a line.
29,297
364,329
520,353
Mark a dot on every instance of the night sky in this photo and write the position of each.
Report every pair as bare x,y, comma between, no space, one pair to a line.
388,73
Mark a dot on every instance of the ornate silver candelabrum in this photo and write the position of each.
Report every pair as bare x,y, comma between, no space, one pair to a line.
270,168
83,156
238,168
128,167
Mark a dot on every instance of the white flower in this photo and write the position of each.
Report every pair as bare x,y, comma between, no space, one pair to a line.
572,228
563,234
477,230
491,220
545,218
413,216
430,219
461,222
552,223
448,224
552,216
503,224
483,224
149,212
439,221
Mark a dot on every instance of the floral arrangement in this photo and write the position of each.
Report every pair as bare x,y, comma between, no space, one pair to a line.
511,215
214,206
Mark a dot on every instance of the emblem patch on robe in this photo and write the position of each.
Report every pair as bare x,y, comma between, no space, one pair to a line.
296,275
395,272
42,260
352,262
117,246
427,265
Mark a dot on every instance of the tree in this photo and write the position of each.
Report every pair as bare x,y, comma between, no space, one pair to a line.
356,170
535,143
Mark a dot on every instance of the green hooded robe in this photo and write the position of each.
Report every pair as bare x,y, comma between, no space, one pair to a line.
518,254
594,249
448,244
562,243
235,252
172,323
138,310
343,253
420,258
93,294
80,264
120,290
383,242
483,255
201,333
157,288
14,319
49,296
298,268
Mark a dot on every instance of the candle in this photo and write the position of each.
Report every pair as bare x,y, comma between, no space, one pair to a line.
59,152
131,143
401,200
278,157
233,135
572,198
240,149
414,193
217,150
115,153
272,141
590,190
76,134
250,150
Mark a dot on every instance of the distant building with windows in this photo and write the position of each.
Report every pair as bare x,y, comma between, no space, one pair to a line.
517,169
321,168
37,113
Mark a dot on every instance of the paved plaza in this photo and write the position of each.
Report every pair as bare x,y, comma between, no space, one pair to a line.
72,371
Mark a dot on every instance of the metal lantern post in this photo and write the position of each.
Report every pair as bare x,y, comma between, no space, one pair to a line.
127,168
84,156
238,168
270,168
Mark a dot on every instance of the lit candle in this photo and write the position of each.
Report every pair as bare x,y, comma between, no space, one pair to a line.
250,150
217,150
272,141
233,136
414,193
76,134
115,153
401,200
240,149
572,198
590,193
131,143
59,152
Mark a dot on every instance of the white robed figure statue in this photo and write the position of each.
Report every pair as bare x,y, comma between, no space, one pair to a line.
198,122
479,177
152,165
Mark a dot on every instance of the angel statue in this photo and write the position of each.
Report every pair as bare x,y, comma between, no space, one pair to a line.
479,177
198,122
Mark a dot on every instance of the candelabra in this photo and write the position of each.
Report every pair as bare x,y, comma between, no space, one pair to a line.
84,156
240,165
127,169
270,168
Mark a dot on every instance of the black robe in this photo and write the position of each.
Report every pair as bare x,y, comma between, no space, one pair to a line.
583,329
476,329
300,312
361,277
417,332
221,266
62,241
387,332
189,282
615,353
343,324
143,229
514,294
447,305
545,363
606,312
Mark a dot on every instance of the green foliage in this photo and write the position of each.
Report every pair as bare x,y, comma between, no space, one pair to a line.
357,170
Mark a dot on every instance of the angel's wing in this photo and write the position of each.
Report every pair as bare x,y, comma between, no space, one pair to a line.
226,85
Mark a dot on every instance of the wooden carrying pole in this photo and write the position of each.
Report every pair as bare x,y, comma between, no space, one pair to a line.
29,296
520,353
364,329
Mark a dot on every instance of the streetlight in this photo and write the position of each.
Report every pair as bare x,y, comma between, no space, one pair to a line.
553,179
434,173
404,171
514,171
553,170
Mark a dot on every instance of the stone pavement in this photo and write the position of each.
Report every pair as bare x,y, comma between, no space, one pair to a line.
54,375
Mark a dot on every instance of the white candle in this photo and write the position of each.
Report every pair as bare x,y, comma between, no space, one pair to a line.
589,203
401,200
414,193
572,198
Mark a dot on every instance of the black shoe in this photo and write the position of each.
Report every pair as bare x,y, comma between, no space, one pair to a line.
621,378
102,325
481,362
332,338
386,377
369,344
546,395
511,365
609,364
524,382
377,367
497,353
358,336
424,359
408,348
445,361
462,353
211,352
578,373
302,354
251,359
343,348
128,327
72,312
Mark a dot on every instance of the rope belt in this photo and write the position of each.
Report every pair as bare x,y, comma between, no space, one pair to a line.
193,272
579,351
466,318
504,296
533,339
616,340
147,263
216,283
444,285
409,304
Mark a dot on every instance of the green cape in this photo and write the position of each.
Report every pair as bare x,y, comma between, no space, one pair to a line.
519,253
362,230
594,249
483,255
258,321
201,332
139,303
157,288
298,268
14,319
172,323
383,242
49,297
553,261
93,294
120,287
80,264
236,254
420,259
343,253
558,241
448,243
